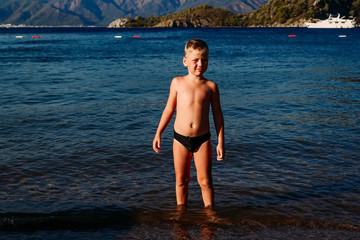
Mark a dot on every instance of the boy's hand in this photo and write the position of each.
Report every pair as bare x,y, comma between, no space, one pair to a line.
220,152
157,144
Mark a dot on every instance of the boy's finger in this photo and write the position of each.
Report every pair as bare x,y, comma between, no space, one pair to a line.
219,156
156,147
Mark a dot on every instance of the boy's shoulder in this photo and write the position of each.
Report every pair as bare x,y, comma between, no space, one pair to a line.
212,85
178,80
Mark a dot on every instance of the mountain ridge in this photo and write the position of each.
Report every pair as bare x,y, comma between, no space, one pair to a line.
102,12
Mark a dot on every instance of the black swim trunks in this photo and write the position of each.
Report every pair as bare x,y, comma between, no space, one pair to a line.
192,143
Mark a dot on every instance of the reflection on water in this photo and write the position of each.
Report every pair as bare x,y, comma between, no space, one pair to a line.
205,220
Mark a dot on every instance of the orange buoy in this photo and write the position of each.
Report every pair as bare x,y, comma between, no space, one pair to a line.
36,37
292,36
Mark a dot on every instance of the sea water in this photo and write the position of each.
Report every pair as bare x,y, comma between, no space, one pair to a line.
79,109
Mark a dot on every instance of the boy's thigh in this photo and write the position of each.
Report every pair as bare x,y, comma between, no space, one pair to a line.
203,158
182,158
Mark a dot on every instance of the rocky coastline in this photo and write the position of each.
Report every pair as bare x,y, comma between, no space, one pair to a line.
198,22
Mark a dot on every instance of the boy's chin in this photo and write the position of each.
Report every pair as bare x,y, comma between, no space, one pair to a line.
198,74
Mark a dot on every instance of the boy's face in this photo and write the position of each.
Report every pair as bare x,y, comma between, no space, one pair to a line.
196,61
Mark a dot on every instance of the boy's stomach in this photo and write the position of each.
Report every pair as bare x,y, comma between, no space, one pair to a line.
191,127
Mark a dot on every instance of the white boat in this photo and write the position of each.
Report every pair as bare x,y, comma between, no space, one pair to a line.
333,22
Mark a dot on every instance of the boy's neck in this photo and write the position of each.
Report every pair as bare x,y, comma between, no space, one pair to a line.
195,78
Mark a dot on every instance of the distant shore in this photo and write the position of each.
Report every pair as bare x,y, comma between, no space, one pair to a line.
67,26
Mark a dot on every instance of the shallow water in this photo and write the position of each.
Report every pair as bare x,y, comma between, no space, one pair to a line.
79,109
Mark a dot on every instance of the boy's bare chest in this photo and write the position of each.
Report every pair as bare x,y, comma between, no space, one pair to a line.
193,95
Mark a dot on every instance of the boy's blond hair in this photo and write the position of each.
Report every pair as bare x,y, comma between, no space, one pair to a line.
196,44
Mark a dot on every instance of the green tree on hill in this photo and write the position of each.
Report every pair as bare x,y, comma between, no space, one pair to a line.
290,11
274,13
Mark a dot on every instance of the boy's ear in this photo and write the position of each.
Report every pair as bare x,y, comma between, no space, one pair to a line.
184,61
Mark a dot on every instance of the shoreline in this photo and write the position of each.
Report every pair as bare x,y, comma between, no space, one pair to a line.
9,26
126,224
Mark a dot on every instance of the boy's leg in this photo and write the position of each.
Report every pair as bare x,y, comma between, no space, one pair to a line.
182,163
203,163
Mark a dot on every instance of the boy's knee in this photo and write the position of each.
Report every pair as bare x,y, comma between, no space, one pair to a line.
205,183
182,181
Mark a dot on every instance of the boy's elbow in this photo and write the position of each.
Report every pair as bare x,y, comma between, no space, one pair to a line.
169,111
219,117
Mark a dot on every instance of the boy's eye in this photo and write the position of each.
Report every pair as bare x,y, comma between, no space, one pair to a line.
198,59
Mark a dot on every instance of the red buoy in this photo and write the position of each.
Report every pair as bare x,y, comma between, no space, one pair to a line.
36,37
136,36
292,35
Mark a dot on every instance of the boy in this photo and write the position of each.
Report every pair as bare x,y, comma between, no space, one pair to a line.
191,96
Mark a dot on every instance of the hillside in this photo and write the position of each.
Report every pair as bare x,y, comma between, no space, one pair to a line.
277,13
295,12
201,16
102,12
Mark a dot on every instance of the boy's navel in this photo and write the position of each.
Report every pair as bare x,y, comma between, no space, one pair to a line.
191,125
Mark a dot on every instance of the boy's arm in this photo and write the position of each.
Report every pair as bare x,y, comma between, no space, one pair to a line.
219,123
165,117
